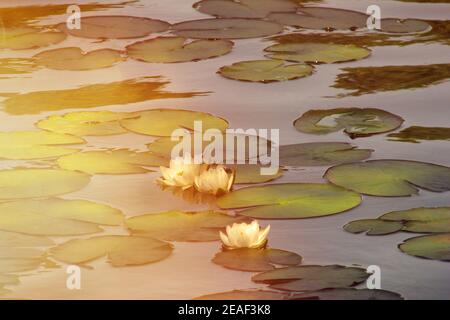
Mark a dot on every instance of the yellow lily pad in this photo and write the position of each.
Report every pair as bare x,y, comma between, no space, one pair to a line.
21,38
251,173
14,66
17,240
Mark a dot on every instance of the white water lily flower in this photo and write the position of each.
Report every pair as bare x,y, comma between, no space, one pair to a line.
243,235
181,173
214,180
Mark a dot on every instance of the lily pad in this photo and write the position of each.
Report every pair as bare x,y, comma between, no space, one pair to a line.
17,240
422,220
177,49
56,217
404,26
14,66
356,122
22,38
244,8
290,200
312,278
390,178
435,247
182,226
317,52
256,259
416,133
121,251
348,294
226,28
321,154
265,71
373,227
37,183
115,27
74,58
251,173
118,161
162,122
245,295
27,145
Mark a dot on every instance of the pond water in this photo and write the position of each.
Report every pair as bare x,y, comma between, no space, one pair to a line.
188,272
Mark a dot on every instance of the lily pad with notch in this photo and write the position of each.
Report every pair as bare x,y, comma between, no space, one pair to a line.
373,227
434,247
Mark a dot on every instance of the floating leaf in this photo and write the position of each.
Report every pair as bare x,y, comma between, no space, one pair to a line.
416,133
244,8
36,183
404,26
16,66
356,122
17,240
226,28
177,49
256,259
312,278
14,265
317,52
182,226
74,58
321,154
251,173
423,220
390,178
435,247
245,295
364,80
348,294
290,200
119,161
29,145
121,250
56,217
22,38
115,27
162,122
265,71
373,227
90,96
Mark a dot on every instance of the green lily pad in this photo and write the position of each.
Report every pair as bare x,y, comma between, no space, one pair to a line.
117,161
390,178
290,200
244,8
245,295
74,58
265,71
404,26
115,27
121,251
226,28
28,145
321,154
348,294
422,220
251,173
373,227
182,226
37,183
177,49
312,278
162,122
356,122
256,259
416,133
22,38
438,226
317,52
435,247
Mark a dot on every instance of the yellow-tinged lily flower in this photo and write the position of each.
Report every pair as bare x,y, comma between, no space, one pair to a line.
214,180
181,173
243,235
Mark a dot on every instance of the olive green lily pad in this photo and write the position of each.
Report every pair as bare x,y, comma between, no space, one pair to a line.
290,200
56,217
27,145
226,28
422,220
390,178
265,71
348,294
321,154
182,226
162,122
85,123
74,58
244,8
121,251
115,27
404,26
177,49
118,161
22,38
435,247
312,278
245,295
373,227
416,133
254,260
37,183
251,173
317,52
356,122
